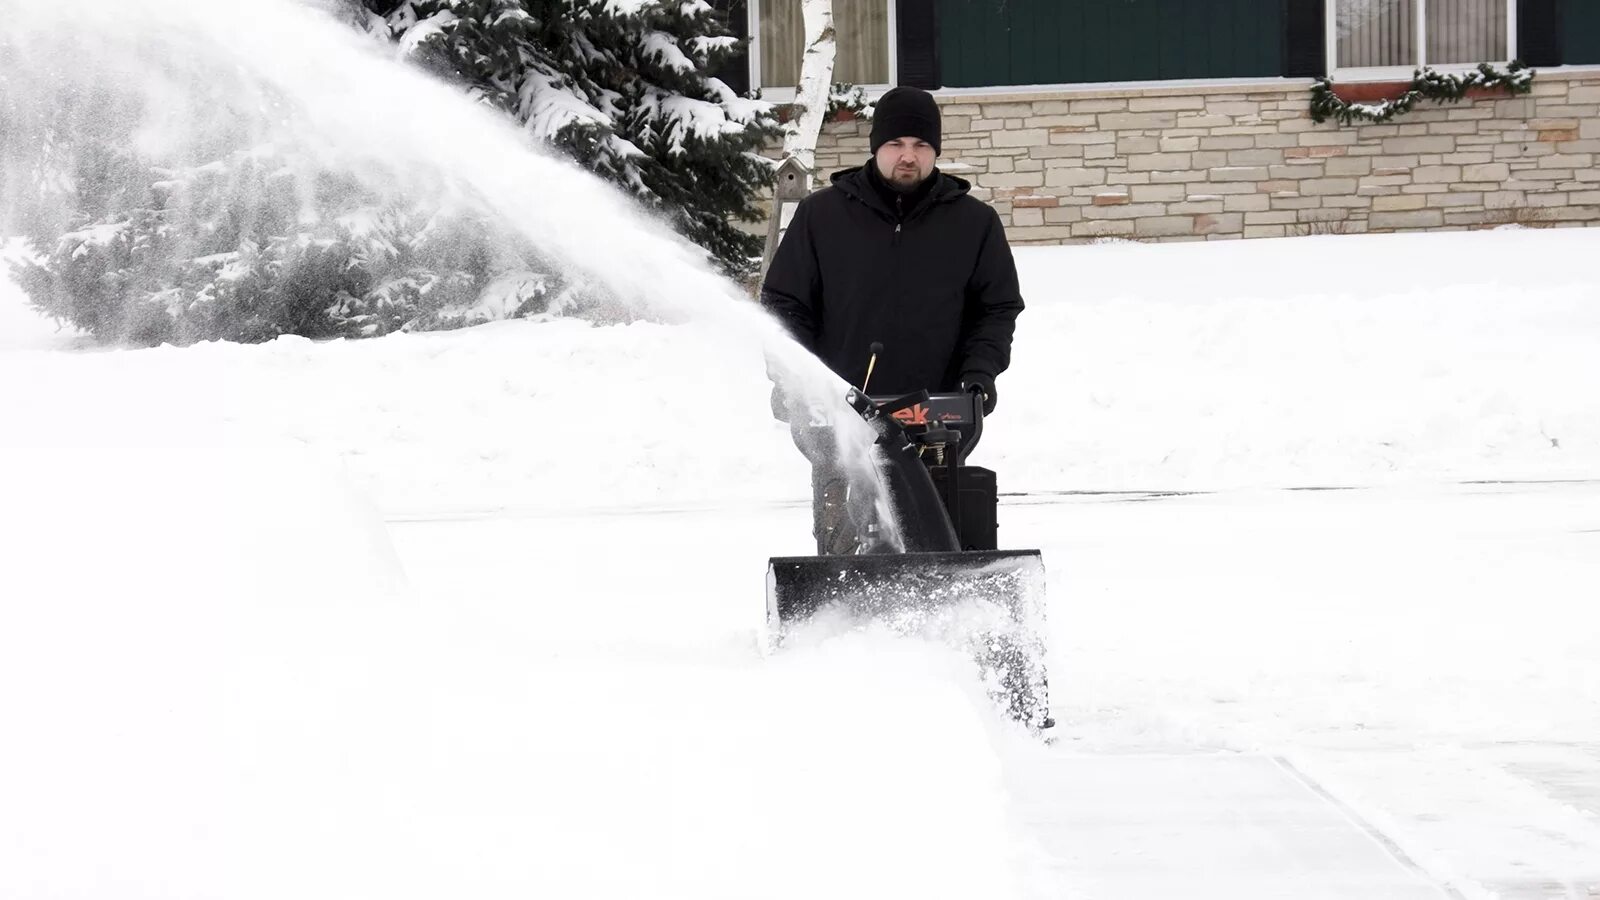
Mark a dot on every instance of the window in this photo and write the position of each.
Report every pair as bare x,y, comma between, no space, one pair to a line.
1403,34
863,29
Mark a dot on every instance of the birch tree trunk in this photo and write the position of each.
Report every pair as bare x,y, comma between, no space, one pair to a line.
816,83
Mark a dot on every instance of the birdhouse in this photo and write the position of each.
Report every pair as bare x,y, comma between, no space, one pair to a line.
793,184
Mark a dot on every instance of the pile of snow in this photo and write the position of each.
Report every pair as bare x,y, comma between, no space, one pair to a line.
218,682
194,642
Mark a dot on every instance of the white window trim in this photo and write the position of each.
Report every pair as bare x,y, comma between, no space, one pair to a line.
1404,73
785,93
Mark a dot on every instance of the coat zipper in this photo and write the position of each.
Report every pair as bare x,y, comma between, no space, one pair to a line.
895,240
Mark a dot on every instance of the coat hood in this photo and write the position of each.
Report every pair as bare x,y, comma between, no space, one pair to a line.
857,183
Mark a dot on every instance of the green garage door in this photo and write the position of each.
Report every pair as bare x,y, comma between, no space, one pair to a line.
1013,42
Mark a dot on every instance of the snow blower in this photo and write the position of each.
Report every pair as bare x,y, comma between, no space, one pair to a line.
948,580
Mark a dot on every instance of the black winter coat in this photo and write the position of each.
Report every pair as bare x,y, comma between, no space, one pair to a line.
936,286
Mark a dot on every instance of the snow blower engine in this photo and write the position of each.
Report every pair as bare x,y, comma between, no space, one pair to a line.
939,574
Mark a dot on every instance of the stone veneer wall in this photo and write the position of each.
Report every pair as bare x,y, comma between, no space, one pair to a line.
1221,161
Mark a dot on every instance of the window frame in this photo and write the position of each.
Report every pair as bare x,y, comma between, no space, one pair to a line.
785,93
1404,73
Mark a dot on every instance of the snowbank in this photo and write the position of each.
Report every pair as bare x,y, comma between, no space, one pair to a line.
1305,362
189,640
1163,367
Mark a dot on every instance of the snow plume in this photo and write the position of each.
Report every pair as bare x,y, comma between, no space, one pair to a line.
174,197
217,757
282,74
625,88
303,102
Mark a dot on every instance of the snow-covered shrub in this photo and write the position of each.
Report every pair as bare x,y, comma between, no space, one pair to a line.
251,246
163,272
186,207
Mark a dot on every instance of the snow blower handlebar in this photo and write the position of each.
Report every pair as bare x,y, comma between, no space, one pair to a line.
939,429
952,421
878,407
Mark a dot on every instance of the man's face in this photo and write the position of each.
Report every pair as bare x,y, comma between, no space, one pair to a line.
905,162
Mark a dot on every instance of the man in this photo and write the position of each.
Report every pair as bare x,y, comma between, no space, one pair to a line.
899,254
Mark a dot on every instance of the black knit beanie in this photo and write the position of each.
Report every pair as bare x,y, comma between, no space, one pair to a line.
905,112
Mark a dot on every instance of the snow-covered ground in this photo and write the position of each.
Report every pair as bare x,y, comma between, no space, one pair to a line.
475,614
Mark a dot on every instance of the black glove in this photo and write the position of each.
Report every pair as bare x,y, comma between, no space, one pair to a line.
983,384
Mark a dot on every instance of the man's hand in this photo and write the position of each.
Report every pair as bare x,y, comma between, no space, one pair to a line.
982,384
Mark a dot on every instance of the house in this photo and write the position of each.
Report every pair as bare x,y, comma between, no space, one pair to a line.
1191,119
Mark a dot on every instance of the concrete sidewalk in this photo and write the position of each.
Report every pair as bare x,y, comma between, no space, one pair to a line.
1247,826
1202,826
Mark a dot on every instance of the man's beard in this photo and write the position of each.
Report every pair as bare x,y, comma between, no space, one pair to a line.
905,181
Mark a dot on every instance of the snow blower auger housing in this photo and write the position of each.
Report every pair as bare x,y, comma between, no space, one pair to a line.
951,582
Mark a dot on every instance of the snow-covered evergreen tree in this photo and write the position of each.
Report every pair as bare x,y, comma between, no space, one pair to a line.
207,217
622,86
256,243
234,227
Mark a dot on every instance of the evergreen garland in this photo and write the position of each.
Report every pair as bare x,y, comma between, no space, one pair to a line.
848,100
1426,84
